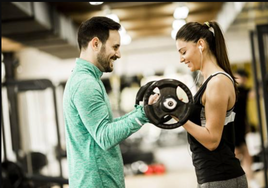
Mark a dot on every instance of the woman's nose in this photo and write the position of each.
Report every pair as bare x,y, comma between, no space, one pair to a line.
182,60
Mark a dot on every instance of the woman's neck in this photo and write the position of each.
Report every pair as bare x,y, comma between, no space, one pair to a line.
210,66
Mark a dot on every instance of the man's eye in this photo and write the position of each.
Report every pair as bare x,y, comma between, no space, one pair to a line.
116,47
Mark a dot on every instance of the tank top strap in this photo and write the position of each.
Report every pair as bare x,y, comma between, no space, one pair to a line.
226,74
202,89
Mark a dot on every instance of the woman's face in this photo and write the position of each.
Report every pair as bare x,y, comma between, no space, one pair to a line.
190,54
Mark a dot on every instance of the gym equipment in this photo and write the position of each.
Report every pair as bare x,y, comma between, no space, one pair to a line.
140,95
141,92
168,105
14,176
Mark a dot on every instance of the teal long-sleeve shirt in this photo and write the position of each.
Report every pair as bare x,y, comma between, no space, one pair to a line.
92,135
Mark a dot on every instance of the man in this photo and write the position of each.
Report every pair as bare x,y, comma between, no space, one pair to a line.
242,126
92,135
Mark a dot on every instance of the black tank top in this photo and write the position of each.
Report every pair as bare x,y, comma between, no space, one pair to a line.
221,163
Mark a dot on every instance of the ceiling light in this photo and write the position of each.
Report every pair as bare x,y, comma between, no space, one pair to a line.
122,30
113,17
177,24
173,33
125,39
95,3
181,12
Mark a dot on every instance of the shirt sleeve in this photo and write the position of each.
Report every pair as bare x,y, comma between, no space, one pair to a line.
94,112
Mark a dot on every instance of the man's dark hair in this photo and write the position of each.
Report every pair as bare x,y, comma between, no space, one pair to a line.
98,26
242,73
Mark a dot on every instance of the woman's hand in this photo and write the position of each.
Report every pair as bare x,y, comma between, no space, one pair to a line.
174,117
153,98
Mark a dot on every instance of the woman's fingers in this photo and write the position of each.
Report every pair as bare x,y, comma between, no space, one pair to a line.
153,99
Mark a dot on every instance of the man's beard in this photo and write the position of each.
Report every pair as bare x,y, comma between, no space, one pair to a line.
103,60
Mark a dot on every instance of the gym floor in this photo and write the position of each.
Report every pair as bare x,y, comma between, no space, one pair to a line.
179,179
179,172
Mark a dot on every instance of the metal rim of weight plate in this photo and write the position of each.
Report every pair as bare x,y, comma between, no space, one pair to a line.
168,103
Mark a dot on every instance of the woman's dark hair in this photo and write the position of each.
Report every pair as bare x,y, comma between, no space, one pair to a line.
212,34
98,26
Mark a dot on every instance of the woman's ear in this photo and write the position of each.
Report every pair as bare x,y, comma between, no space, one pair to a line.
201,44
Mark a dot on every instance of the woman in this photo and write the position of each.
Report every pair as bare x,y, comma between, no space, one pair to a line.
210,127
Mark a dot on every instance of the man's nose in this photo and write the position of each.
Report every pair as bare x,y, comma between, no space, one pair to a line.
118,54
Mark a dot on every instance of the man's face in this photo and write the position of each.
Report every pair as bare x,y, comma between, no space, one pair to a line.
240,79
109,52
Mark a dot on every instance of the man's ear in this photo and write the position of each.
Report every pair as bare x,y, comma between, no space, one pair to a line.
95,43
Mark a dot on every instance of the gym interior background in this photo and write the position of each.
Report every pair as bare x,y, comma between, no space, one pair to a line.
38,54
